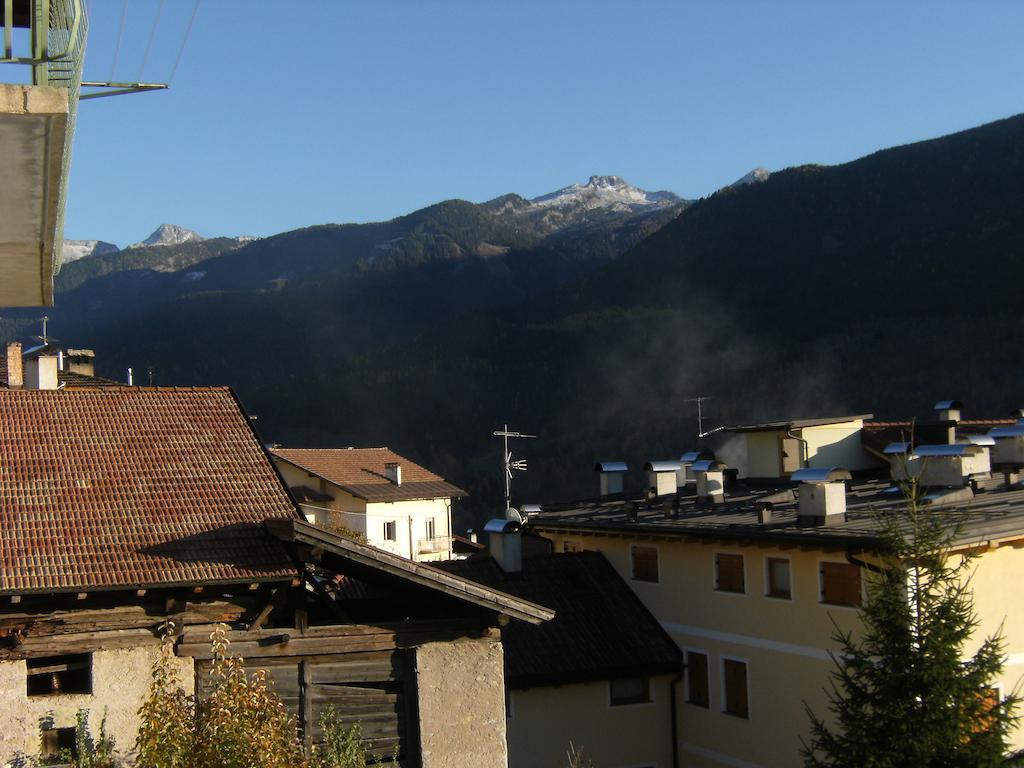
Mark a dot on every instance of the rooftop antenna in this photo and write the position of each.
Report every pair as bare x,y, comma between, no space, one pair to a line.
42,338
700,400
518,465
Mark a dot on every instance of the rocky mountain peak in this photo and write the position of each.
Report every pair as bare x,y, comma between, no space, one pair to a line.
169,234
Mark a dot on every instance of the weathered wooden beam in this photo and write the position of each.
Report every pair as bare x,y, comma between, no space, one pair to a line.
306,719
259,618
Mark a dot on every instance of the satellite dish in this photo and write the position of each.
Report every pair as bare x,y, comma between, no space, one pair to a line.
513,514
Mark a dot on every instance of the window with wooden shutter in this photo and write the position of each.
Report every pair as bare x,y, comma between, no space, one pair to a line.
58,743
779,583
697,679
645,563
391,531
734,681
840,584
729,573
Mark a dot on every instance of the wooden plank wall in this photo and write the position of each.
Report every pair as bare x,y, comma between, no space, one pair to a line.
377,689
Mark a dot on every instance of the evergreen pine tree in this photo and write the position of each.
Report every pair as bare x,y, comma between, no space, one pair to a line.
902,693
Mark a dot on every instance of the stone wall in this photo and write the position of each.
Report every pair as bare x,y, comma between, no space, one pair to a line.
120,682
461,692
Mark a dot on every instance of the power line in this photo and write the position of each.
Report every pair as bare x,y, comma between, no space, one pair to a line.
152,36
117,45
181,50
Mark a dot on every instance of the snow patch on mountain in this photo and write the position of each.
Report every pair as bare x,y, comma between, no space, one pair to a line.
756,176
73,250
169,234
606,192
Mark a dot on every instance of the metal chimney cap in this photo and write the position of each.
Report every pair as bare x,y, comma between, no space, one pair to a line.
611,466
948,405
691,456
708,465
893,448
662,466
1017,430
501,525
957,449
821,475
981,439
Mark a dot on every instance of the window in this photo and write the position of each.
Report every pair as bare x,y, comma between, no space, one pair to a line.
729,573
778,580
629,690
645,563
697,679
571,546
734,683
431,530
58,742
840,584
51,675
390,531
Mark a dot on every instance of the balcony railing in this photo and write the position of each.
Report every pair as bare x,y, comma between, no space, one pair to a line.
434,545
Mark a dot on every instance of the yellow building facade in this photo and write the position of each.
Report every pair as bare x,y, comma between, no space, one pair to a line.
754,616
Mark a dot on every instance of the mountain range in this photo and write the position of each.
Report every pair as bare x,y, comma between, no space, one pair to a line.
883,285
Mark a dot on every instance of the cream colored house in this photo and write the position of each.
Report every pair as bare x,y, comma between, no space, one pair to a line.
775,449
749,584
396,504
601,675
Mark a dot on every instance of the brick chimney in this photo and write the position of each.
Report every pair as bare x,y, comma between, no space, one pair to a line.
15,371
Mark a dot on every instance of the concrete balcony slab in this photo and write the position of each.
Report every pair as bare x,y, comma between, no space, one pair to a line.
33,126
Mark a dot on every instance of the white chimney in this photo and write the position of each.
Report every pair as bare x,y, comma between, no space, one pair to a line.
821,495
15,371
1008,452
949,410
393,472
610,474
40,369
950,465
685,476
710,476
661,476
505,544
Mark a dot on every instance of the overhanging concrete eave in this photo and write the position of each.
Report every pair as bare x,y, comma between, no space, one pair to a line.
33,128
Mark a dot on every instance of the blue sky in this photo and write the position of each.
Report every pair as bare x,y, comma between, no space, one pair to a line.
364,111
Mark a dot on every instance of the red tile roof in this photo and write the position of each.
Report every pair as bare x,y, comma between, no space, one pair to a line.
360,471
134,487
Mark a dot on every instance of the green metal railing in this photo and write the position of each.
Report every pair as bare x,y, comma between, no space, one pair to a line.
54,47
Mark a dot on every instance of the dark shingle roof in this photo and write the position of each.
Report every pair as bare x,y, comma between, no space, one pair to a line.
360,471
601,630
134,487
995,512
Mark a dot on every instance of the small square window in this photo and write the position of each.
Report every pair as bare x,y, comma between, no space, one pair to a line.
734,681
645,563
58,743
697,679
52,675
840,584
391,531
629,690
779,584
729,576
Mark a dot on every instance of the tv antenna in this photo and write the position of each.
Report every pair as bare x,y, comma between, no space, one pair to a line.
511,465
700,400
